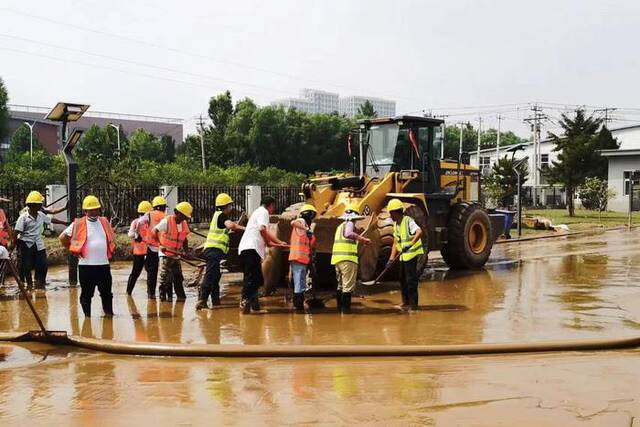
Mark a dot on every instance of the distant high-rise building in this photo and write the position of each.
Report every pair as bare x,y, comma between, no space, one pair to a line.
350,105
323,102
311,101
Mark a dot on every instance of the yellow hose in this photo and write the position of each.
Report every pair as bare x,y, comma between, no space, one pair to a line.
267,350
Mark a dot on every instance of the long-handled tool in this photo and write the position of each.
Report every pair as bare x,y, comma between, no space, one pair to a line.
386,269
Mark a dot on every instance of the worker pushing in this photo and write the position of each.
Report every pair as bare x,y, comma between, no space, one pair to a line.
172,232
216,249
302,243
344,258
139,247
407,247
149,221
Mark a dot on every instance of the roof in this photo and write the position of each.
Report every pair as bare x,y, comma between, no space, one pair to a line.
616,152
419,119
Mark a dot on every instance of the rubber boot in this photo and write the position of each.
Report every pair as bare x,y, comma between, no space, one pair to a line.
130,285
86,309
107,306
245,306
339,300
298,302
201,305
215,300
346,303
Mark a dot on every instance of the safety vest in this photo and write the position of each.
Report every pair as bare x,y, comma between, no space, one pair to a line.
403,237
79,236
300,247
171,241
4,229
343,249
140,248
154,219
217,237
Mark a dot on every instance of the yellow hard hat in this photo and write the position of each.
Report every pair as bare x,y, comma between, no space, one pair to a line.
91,202
158,201
35,197
308,207
353,208
223,199
144,207
185,209
395,205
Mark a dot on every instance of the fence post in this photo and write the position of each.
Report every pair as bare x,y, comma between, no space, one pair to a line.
254,194
57,192
170,192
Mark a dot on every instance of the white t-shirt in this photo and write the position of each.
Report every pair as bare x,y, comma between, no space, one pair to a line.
96,246
252,239
162,227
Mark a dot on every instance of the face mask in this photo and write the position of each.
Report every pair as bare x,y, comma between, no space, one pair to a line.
92,218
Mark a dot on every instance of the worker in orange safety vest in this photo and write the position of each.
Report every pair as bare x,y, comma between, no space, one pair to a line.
302,243
139,237
92,239
150,220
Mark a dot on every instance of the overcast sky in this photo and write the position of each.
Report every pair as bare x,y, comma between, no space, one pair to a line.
166,58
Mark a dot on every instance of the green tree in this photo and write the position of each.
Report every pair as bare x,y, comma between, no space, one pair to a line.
4,111
237,133
144,146
366,111
502,184
21,142
595,194
167,149
96,154
578,155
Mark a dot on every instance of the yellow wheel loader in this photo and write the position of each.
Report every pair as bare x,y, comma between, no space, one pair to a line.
398,157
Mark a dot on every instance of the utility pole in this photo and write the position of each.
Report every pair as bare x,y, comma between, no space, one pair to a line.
117,128
460,148
536,125
201,123
479,140
498,139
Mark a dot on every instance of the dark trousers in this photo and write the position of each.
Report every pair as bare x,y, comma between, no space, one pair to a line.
252,279
138,264
210,285
409,282
91,276
171,278
32,259
151,266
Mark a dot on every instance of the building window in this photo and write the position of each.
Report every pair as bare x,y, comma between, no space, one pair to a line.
485,162
544,161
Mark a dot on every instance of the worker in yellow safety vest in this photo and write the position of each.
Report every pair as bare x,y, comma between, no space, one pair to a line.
408,245
216,249
92,239
139,237
302,243
172,234
151,262
344,258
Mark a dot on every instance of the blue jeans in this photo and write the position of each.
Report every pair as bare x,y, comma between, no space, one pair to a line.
299,274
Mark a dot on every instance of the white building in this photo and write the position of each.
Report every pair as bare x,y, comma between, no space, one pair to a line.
350,105
621,163
311,101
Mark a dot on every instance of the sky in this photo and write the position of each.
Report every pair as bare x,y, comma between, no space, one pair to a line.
464,59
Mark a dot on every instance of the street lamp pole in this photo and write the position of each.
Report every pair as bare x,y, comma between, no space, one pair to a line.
30,125
117,128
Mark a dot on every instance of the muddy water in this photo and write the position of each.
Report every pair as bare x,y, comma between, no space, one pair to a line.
548,289
536,390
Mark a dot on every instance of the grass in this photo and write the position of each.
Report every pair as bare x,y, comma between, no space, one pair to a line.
584,219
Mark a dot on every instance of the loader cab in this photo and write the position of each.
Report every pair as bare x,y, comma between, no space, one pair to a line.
402,143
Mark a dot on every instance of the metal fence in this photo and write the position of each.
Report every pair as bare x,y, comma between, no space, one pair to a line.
202,198
17,196
285,196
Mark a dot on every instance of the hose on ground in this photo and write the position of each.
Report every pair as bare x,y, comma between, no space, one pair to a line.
305,351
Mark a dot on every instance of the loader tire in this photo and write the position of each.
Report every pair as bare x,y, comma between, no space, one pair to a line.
469,237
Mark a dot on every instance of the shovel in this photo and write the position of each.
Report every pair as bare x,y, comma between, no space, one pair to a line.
386,269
